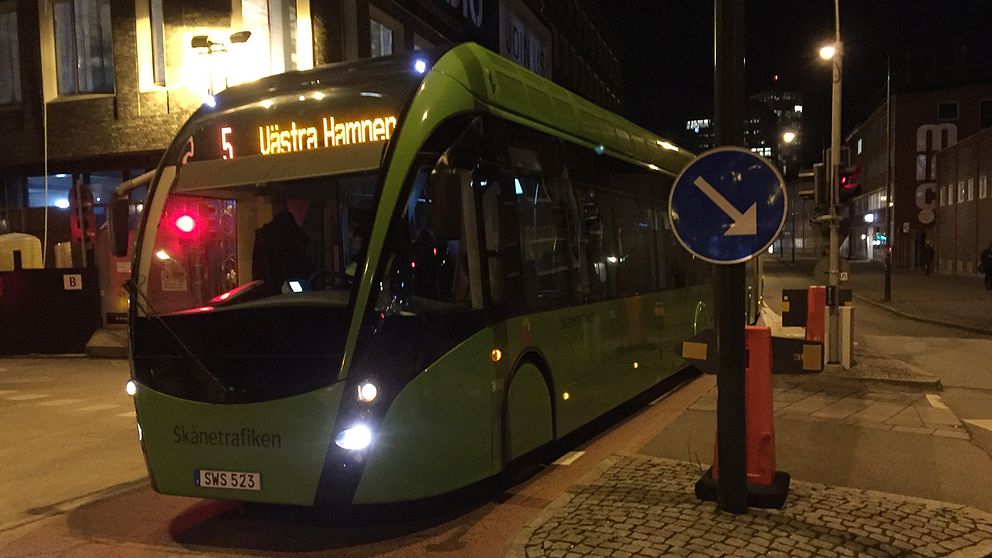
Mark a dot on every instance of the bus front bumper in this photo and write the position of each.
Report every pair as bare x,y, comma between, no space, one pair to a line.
272,451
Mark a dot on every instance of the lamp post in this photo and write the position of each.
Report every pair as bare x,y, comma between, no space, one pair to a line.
834,53
788,137
889,202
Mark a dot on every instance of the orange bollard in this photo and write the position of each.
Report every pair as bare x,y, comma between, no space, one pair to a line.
816,308
759,421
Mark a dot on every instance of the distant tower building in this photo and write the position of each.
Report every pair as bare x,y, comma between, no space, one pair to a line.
770,116
788,107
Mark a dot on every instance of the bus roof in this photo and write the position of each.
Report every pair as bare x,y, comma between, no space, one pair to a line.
494,80
499,82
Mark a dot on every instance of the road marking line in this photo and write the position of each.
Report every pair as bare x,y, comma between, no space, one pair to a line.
58,402
569,458
981,423
130,414
6,391
936,402
97,408
26,397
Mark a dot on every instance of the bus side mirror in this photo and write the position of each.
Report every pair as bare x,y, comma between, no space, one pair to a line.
446,204
119,216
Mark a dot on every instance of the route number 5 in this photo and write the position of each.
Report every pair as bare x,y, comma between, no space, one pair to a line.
226,145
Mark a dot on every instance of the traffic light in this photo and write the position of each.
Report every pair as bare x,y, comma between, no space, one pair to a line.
850,183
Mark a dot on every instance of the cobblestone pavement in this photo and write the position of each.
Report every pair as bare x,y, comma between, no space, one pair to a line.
637,506
803,398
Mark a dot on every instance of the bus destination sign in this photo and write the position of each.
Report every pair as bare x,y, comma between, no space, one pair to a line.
278,138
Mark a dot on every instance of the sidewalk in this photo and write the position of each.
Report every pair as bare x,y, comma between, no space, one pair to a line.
635,505
951,300
877,471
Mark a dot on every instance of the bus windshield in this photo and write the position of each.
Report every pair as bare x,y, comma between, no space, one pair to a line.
266,196
289,242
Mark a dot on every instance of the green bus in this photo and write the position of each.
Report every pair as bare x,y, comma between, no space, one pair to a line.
389,279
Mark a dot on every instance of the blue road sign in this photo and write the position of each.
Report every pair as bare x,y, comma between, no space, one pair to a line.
728,205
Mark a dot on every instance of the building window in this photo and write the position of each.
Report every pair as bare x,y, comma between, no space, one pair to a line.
382,38
10,67
961,191
985,114
420,43
983,187
157,21
84,55
273,26
943,196
971,189
861,145
947,111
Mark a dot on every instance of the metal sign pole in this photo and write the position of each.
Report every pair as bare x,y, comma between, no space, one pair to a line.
728,281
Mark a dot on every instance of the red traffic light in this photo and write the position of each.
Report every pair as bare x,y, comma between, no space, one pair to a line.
186,223
850,182
850,177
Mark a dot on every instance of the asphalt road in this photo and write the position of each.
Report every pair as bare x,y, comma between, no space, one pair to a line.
75,485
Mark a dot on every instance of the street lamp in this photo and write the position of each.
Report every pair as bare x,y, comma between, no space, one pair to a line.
789,137
827,52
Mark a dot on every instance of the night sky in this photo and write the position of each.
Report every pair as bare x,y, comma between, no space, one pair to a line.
667,53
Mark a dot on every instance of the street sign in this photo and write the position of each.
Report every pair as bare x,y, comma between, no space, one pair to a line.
728,205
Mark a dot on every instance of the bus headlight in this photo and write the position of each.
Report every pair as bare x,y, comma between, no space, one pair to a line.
367,392
357,437
130,387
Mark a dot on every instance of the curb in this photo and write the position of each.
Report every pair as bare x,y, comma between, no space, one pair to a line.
890,308
933,383
74,503
919,384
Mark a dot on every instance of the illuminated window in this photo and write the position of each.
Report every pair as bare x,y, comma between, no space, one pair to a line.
273,26
382,38
983,187
971,189
10,67
84,55
798,108
861,145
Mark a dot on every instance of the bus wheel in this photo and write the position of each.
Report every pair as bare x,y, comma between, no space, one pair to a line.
527,420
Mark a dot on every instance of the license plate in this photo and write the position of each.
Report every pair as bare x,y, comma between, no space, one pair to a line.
236,480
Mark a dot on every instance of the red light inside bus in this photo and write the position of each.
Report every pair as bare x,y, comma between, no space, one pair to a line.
186,223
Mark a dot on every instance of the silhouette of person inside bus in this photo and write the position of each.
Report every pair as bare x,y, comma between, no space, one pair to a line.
280,252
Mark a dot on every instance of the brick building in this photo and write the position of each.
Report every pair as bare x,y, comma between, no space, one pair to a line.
922,124
964,214
97,88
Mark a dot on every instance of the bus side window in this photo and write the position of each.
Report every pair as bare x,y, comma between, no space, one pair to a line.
546,266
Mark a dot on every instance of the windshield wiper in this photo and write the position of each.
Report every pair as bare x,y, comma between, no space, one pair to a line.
200,370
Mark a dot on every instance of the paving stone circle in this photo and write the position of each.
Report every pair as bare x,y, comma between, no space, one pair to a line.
634,506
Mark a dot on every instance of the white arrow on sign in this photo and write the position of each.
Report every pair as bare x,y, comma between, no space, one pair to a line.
744,223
